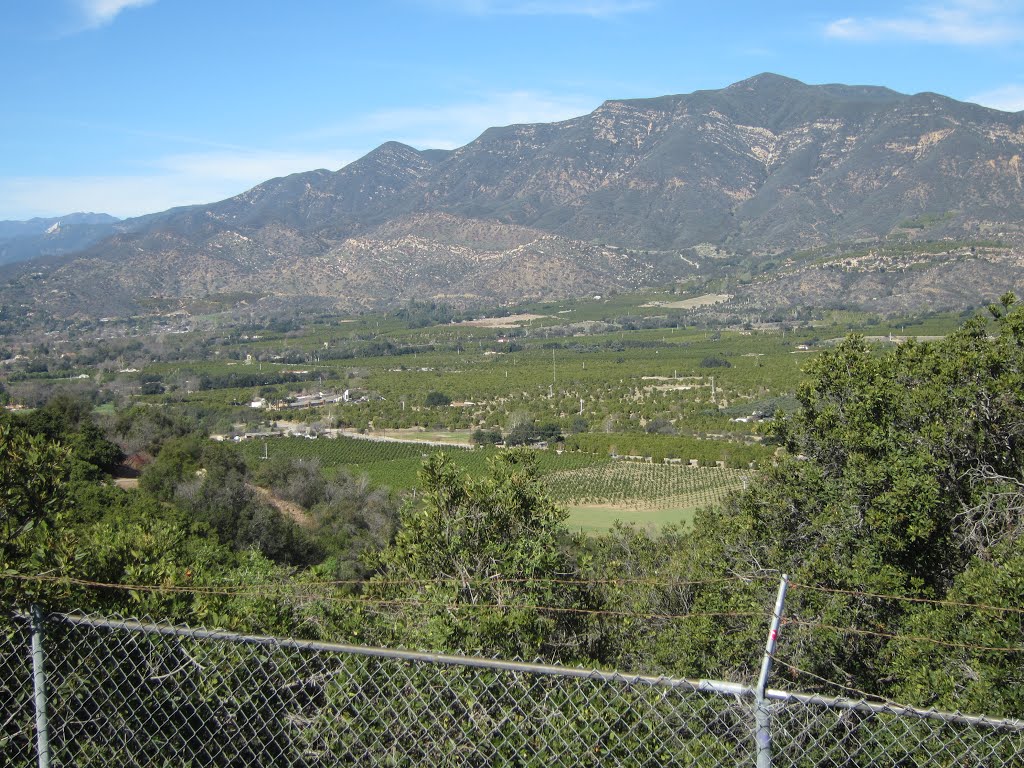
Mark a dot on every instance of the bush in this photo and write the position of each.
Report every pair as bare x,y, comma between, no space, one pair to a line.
715,361
436,399
486,437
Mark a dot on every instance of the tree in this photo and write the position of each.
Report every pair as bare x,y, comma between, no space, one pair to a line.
522,434
91,446
486,437
715,361
475,561
33,508
62,415
904,474
968,672
436,399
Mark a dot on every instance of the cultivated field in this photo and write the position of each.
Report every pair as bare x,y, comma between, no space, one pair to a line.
595,489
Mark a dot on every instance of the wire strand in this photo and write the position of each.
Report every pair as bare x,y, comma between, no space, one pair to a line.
650,581
908,599
913,638
310,593
819,678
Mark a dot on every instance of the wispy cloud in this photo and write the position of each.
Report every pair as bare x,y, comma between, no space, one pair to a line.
447,126
957,22
593,8
1009,98
99,13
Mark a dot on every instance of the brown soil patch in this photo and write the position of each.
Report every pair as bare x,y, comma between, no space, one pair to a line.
287,508
511,321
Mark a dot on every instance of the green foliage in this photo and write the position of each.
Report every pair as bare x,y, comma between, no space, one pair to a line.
91,446
903,474
179,459
33,506
147,428
492,542
68,419
436,399
979,664
419,314
349,519
210,481
715,361
660,447
486,437
62,415
904,468
298,480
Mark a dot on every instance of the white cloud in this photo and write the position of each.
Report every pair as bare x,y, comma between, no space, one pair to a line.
452,125
185,179
593,8
1009,98
99,13
957,22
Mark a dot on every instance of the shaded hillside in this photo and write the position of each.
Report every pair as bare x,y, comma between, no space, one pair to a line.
21,240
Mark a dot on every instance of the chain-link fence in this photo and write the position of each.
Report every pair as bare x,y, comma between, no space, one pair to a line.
127,693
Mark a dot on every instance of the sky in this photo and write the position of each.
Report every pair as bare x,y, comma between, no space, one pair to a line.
135,106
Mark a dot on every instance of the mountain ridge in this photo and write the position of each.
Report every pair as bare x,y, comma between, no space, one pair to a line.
761,168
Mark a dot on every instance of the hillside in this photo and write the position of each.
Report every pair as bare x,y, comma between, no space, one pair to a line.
21,240
740,184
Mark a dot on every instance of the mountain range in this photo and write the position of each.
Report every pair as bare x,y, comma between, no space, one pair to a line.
21,240
784,193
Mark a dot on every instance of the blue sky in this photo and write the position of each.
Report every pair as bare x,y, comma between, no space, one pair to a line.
134,106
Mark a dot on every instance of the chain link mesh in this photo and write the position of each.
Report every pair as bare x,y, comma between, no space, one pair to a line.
125,694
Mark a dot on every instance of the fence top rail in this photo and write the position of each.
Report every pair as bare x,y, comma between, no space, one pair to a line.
133,625
712,686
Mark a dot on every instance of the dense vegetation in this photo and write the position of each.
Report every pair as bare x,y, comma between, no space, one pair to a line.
894,504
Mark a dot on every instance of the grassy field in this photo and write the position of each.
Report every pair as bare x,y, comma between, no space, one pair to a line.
598,518
461,436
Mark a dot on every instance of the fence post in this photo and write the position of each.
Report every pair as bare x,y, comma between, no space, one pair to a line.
762,716
39,683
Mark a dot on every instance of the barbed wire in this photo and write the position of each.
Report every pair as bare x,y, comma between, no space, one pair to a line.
908,599
776,660
656,581
318,591
908,638
309,593
378,581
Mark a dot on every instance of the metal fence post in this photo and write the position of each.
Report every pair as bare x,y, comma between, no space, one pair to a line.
762,716
39,683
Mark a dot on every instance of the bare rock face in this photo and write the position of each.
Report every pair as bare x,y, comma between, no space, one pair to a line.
638,191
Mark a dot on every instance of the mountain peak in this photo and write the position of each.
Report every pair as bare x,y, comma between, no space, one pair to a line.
768,80
768,165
